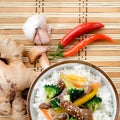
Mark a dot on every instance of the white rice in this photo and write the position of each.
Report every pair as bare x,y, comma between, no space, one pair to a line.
105,110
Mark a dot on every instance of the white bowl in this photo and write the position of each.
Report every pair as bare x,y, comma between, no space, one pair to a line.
31,96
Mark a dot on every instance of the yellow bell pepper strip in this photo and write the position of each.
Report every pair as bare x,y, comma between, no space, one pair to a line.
76,77
85,98
60,111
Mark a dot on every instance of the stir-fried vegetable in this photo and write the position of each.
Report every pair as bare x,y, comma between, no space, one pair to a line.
75,93
76,83
70,95
46,114
76,77
94,103
67,82
67,97
95,85
51,91
85,98
55,103
72,118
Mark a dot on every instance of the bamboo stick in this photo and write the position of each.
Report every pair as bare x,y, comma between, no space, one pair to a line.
58,26
102,58
78,15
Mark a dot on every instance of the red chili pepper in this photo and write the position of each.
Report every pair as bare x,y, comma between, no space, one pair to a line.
77,31
83,43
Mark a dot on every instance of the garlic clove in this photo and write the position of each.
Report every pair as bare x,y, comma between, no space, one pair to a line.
36,51
44,36
44,61
37,39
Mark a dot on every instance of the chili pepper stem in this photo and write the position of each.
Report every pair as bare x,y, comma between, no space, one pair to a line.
52,58
60,46
58,52
61,54
59,49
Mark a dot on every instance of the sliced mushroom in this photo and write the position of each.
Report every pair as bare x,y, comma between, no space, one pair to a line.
44,61
36,51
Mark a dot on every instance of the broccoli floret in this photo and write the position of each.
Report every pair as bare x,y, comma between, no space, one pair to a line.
55,104
75,93
94,103
72,118
51,91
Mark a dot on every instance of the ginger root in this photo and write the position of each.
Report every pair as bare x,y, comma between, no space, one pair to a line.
18,105
14,77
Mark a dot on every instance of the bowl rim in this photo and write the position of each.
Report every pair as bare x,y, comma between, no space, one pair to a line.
79,62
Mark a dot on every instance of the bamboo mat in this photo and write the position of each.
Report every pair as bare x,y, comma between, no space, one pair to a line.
63,15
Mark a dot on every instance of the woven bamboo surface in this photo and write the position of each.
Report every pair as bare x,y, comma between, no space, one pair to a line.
62,15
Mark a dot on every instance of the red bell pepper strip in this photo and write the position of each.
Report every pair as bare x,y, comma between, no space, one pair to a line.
83,43
77,31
